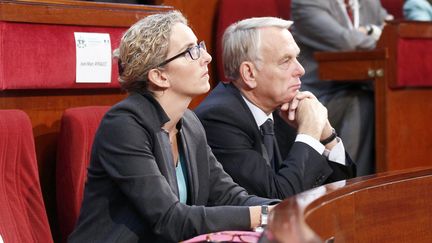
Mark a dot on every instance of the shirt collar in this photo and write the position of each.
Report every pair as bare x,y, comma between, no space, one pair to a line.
259,115
355,5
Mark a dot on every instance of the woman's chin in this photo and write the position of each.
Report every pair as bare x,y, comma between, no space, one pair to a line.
206,86
203,89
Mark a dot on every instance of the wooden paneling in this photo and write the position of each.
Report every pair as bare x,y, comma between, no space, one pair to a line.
388,207
75,12
360,66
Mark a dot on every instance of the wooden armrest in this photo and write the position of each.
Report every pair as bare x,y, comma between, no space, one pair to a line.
355,66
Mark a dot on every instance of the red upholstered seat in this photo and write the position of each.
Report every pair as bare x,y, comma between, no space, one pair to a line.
43,56
231,11
78,127
22,211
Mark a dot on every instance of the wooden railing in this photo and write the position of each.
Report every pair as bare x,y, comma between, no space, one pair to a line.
387,207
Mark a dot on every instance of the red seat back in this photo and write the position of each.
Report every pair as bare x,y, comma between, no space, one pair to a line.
77,131
414,63
231,11
394,7
22,211
46,56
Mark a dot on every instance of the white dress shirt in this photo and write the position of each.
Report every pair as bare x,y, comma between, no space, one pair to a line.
336,154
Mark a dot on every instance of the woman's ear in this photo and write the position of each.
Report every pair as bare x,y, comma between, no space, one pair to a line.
248,74
158,78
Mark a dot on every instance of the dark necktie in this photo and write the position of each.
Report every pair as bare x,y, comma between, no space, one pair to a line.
349,10
268,138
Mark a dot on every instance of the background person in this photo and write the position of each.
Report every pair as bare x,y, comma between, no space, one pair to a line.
420,10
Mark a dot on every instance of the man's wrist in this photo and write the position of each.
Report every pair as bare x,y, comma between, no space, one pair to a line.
330,138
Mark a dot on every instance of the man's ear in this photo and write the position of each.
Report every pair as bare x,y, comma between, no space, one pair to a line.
248,74
158,78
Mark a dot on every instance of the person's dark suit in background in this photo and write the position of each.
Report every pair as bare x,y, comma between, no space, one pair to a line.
260,58
339,25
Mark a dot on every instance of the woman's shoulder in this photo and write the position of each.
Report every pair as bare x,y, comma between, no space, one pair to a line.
136,109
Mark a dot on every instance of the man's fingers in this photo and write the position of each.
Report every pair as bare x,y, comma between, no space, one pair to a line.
305,94
285,107
291,115
294,103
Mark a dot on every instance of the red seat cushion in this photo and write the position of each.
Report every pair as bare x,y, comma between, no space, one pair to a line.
22,211
77,131
43,56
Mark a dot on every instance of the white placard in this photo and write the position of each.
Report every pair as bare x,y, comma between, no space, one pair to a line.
93,57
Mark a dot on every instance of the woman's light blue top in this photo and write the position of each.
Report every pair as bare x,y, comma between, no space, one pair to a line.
417,10
182,178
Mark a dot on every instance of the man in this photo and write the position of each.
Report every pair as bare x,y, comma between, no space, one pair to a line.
260,58
341,25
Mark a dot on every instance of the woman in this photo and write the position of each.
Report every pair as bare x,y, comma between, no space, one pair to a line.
420,10
152,176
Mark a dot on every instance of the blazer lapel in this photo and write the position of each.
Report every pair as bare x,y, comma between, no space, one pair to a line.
167,165
192,169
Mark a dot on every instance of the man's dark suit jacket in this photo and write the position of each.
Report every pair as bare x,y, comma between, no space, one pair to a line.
131,194
236,141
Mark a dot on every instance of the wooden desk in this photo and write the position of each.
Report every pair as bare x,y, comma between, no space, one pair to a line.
388,207
403,131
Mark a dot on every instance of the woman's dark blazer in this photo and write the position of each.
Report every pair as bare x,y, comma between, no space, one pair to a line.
131,193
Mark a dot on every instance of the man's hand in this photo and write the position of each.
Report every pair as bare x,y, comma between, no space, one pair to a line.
288,110
311,117
306,113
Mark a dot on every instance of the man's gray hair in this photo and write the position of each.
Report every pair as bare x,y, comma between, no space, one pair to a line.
241,42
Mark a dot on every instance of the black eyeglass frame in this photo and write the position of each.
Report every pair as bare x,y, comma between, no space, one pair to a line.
232,235
200,46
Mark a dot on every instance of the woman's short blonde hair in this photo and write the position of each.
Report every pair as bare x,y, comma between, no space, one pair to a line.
143,46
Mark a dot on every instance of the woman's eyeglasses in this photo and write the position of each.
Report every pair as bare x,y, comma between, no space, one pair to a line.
194,53
221,237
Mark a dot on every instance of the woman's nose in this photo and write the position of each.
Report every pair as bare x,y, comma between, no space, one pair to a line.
206,56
